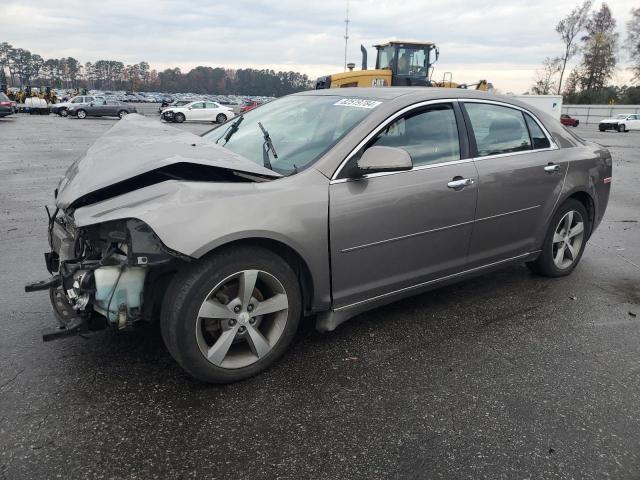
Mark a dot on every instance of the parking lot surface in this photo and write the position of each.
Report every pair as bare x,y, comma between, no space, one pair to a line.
508,375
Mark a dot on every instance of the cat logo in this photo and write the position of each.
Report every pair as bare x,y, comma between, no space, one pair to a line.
378,82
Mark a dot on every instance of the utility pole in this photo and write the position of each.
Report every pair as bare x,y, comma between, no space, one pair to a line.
346,36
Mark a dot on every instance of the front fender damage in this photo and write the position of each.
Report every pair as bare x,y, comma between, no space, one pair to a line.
101,274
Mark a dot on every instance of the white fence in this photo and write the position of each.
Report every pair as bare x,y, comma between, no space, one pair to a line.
595,113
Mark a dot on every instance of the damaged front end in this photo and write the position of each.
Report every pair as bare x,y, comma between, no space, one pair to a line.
101,274
114,271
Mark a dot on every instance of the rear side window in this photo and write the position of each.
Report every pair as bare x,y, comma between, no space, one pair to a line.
538,137
429,135
498,129
197,105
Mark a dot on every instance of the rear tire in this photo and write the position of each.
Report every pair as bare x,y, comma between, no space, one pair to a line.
221,118
122,113
179,117
81,114
565,241
195,341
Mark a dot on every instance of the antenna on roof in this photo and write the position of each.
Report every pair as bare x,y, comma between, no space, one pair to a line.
346,36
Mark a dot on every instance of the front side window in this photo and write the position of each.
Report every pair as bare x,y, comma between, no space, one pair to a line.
498,129
302,128
429,135
385,57
197,105
77,100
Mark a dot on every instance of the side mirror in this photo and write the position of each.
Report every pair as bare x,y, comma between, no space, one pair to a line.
91,104
384,159
189,108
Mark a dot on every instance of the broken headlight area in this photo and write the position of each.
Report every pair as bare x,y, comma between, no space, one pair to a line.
102,274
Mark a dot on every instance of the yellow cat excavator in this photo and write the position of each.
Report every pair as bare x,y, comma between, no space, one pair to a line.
398,63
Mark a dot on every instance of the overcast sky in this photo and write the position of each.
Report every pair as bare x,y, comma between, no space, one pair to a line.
501,41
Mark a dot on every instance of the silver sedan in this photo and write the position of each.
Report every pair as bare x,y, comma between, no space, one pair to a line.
319,205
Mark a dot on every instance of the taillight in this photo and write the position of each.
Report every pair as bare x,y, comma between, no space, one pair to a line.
5,104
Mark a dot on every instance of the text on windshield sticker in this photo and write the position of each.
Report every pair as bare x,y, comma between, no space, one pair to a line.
357,102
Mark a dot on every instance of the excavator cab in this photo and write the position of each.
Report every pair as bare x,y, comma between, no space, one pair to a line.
397,64
411,64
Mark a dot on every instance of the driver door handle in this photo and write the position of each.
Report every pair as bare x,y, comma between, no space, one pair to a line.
552,167
459,182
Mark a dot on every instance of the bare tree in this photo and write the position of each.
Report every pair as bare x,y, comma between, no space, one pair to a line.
569,28
544,81
600,49
571,85
633,42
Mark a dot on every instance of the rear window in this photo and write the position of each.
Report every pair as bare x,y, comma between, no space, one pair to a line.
4,98
498,129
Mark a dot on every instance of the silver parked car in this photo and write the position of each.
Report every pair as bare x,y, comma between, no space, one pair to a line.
101,108
322,204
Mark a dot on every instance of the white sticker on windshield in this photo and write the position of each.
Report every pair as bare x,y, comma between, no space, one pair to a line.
357,102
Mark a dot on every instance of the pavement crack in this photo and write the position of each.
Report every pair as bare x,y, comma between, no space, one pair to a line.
625,259
11,380
500,354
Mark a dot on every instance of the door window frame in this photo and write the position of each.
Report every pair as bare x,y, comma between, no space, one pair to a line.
463,138
472,138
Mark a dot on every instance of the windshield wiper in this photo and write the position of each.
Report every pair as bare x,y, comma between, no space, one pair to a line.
231,130
268,145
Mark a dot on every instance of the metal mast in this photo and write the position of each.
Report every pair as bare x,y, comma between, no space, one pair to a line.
346,36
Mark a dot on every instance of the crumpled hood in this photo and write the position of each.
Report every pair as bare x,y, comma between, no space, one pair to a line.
136,145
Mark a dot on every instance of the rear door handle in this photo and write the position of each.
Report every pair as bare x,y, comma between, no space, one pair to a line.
552,167
459,182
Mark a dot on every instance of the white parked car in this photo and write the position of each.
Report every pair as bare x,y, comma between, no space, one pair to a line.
622,122
199,111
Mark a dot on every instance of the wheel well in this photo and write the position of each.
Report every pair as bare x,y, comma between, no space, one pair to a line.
292,257
585,199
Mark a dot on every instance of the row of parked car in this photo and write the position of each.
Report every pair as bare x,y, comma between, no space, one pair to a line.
83,106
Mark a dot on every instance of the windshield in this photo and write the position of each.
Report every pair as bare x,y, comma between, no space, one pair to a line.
622,115
412,61
301,129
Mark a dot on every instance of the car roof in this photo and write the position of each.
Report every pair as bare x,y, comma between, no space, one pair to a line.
416,94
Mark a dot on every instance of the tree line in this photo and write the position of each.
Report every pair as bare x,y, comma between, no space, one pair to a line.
20,67
591,43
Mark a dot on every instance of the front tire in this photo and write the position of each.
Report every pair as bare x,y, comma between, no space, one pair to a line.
63,112
122,114
621,128
232,314
565,241
81,114
221,118
179,117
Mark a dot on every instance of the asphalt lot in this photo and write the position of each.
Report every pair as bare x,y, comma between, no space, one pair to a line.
504,376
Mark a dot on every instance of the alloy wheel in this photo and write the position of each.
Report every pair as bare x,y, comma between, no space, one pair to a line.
567,239
241,319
